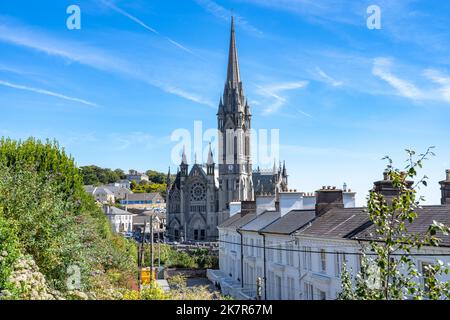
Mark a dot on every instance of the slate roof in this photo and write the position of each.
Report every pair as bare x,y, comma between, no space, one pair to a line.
238,220
261,221
290,222
117,211
336,223
354,224
144,196
425,217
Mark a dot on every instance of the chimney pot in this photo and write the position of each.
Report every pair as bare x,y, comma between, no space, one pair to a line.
448,174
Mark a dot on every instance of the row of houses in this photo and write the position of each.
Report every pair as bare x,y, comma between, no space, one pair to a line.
121,193
298,244
134,220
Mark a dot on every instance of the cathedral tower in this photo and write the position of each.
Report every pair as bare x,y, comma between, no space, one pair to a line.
234,124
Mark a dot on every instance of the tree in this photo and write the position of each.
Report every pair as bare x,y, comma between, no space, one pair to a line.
52,222
388,270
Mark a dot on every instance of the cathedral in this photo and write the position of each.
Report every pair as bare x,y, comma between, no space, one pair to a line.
198,200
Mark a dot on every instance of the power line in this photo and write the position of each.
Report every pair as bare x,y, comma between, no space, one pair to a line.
278,247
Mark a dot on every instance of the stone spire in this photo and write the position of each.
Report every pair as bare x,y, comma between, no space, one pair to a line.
210,156
233,75
183,156
274,170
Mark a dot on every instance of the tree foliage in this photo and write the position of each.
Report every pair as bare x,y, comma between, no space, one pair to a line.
47,216
388,268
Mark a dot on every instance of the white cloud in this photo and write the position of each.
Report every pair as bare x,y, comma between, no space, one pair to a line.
47,93
381,68
442,80
87,55
143,24
274,93
328,79
224,14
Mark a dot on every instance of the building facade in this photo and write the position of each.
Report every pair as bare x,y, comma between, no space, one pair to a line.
299,252
199,198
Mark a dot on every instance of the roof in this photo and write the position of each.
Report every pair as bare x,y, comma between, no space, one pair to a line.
117,211
143,196
261,221
238,220
290,222
425,217
336,223
354,224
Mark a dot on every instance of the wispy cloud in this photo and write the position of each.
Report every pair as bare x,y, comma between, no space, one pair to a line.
381,68
47,93
87,55
442,80
144,25
274,93
224,14
328,79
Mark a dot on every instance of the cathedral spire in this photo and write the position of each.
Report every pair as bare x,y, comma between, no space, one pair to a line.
210,156
183,156
233,75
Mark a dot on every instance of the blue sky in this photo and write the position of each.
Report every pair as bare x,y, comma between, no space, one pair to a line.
343,96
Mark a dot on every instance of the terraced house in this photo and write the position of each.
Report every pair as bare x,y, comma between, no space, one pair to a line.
298,252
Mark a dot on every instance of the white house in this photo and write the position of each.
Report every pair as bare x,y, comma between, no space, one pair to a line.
121,220
101,194
298,252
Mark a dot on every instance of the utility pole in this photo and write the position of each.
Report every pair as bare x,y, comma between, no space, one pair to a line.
151,246
159,249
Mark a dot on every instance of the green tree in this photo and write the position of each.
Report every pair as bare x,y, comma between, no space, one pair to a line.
388,270
55,222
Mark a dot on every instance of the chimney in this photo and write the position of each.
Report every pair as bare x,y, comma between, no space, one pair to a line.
309,201
349,198
445,189
386,188
235,208
290,201
265,202
328,198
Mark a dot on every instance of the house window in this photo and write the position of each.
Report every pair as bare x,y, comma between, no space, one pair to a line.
278,288
323,261
279,254
307,265
258,249
426,273
252,247
195,234
290,288
321,295
271,285
340,259
309,291
202,234
270,251
290,254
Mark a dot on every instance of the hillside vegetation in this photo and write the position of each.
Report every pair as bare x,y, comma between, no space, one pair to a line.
50,229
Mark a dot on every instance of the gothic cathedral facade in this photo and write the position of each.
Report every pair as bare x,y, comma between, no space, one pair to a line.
198,200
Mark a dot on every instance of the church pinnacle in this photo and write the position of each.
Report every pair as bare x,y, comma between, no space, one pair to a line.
233,75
